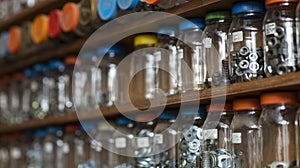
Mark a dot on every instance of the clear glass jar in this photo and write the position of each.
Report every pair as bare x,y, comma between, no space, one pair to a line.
217,150
88,15
246,133
65,83
124,143
72,146
108,68
191,145
4,151
25,35
4,108
246,56
26,94
168,75
214,39
15,99
144,145
165,140
189,48
16,154
144,69
35,157
51,147
56,87
279,37
279,129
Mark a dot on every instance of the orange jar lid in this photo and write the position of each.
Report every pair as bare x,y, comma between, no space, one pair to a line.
269,2
246,104
152,1
72,127
145,117
279,97
54,23
218,107
18,76
39,29
14,39
70,16
70,60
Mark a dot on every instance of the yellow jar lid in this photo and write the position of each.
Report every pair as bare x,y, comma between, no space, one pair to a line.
39,29
145,39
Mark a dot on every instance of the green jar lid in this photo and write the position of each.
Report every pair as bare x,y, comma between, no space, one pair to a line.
218,15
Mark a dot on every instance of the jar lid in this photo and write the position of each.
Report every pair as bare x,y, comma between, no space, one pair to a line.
192,24
14,39
193,111
40,133
18,76
87,11
117,49
246,104
145,39
28,72
218,15
72,127
248,7
145,117
54,23
168,115
154,2
70,60
69,17
269,2
127,4
171,31
87,126
39,67
107,9
123,120
279,97
54,129
39,29
56,64
218,107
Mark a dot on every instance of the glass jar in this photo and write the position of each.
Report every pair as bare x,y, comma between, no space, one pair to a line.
14,39
71,139
193,75
36,153
144,133
144,69
217,150
191,146
26,94
70,16
246,133
214,39
279,37
108,67
51,145
25,35
278,129
14,99
88,15
168,75
39,29
4,150
91,156
16,154
124,143
165,140
107,9
65,82
4,108
246,56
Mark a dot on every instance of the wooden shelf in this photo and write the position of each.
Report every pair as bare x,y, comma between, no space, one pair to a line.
290,82
42,7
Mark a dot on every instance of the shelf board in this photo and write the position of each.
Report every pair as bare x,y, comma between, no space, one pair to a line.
290,82
28,13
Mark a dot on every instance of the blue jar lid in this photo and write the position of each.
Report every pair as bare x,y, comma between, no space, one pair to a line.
248,7
107,9
54,129
192,24
123,120
87,126
28,72
88,55
171,31
127,4
40,133
168,115
39,67
56,64
117,49
200,111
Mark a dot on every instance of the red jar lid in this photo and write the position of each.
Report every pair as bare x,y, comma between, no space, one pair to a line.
54,23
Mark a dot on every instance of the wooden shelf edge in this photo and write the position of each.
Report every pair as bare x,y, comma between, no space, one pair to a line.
290,82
